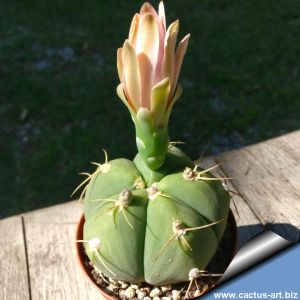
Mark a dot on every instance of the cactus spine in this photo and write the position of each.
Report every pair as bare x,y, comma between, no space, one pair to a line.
157,217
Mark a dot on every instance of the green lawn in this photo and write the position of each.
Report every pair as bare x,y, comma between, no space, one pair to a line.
58,106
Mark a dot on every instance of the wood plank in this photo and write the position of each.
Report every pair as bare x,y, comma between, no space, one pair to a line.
289,143
54,272
268,177
13,269
247,222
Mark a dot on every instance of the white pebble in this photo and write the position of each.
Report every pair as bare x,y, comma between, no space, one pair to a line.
113,282
156,298
129,293
121,294
141,295
166,298
175,295
167,287
112,287
147,298
155,292
124,285
135,286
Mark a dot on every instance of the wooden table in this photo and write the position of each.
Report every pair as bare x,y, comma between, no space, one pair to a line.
37,255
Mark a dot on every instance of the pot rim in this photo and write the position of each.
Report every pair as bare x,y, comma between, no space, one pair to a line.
80,253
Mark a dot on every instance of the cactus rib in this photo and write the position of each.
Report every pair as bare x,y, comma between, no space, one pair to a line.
96,249
179,231
102,168
118,205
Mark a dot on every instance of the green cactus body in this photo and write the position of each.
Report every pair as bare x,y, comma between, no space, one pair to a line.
121,235
175,160
167,259
110,179
139,240
208,198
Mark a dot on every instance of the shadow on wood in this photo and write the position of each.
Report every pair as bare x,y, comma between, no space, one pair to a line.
286,231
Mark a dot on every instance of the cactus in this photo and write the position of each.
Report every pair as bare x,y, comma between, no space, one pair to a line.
158,217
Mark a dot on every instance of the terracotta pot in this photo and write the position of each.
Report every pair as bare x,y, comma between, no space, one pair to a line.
86,269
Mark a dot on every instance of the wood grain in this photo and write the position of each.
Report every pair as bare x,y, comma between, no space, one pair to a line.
54,272
13,269
247,222
267,175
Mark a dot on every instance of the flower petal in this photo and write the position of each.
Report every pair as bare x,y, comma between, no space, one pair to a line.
159,98
162,32
134,29
131,72
180,52
148,8
121,94
146,74
120,64
156,48
173,28
168,67
161,13
148,38
173,100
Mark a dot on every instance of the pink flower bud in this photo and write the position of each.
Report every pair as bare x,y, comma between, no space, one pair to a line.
149,64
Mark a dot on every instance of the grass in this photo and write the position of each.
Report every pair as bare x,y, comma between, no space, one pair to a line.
58,106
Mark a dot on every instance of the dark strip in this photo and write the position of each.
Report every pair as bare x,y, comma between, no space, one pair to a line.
26,255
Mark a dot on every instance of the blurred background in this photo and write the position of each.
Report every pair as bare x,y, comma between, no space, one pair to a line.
58,106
